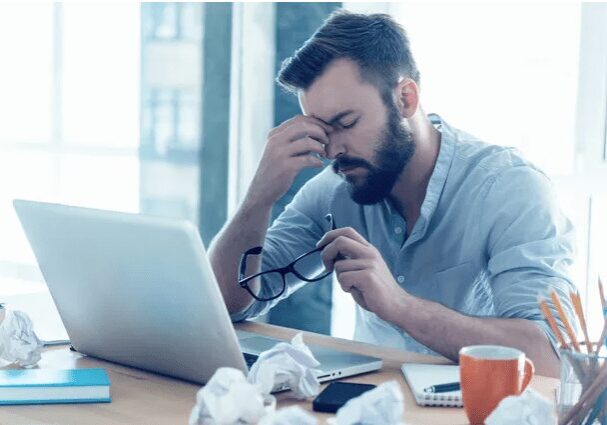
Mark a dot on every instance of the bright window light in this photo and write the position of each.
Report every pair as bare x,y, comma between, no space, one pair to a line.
69,102
26,41
504,72
101,53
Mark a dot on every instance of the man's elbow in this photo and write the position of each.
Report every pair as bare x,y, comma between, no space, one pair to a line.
543,356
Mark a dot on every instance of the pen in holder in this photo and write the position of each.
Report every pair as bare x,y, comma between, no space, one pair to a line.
583,388
583,391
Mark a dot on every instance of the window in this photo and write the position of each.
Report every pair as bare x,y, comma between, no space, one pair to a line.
70,107
505,72
171,99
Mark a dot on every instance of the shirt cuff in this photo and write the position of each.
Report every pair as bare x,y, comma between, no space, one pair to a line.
240,316
257,308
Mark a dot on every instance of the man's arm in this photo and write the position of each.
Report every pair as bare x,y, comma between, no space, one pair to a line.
245,230
447,331
287,152
365,275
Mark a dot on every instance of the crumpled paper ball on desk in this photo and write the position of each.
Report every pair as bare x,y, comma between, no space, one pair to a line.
293,415
291,363
383,405
229,398
529,408
18,341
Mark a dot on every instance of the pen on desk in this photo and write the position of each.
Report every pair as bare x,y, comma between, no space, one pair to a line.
443,388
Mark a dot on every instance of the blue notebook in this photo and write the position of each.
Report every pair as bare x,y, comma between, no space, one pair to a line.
44,386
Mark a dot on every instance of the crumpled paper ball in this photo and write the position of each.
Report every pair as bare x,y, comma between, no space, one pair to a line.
18,341
529,408
293,415
228,399
383,405
231,399
291,363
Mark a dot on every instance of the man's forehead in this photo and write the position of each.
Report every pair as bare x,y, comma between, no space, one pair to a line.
337,90
329,111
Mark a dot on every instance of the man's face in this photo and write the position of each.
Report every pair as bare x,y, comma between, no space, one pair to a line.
369,144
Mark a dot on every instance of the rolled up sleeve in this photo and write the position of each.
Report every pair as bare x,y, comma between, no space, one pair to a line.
294,232
530,247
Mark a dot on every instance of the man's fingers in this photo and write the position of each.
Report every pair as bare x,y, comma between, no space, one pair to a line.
345,246
305,146
355,279
352,282
347,280
348,265
342,231
299,119
358,298
303,129
306,161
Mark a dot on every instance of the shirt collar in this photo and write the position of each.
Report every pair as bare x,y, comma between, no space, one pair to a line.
441,170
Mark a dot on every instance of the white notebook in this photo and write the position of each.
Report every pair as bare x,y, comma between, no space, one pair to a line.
420,376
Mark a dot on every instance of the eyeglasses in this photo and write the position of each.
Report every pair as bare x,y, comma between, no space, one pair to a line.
307,267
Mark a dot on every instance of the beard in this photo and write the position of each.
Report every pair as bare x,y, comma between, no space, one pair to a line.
394,150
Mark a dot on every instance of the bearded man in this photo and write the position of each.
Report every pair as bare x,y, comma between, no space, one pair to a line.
442,240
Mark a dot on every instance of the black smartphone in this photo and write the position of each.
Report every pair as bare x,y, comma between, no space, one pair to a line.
337,394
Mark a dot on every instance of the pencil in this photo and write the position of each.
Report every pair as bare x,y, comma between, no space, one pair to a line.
561,312
550,318
602,294
602,338
579,311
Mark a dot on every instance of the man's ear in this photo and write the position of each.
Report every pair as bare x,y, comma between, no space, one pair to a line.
407,97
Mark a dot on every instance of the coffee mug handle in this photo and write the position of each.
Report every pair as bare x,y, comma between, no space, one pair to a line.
529,370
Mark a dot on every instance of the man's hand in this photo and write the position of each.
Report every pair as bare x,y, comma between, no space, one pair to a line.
362,272
289,149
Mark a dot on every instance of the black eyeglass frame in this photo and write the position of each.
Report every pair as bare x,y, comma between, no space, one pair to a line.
290,268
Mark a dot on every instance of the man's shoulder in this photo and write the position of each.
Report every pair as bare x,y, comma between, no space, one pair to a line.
476,158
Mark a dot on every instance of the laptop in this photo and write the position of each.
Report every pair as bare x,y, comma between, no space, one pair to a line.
139,290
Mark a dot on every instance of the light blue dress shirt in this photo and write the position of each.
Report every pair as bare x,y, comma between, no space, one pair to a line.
489,241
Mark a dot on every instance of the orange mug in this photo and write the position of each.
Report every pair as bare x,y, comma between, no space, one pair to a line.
489,373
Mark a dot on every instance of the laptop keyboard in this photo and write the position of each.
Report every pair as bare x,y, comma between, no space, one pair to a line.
250,359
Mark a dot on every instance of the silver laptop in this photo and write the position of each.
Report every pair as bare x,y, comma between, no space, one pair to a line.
139,290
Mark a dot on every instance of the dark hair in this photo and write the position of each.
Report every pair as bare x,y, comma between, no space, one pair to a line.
375,42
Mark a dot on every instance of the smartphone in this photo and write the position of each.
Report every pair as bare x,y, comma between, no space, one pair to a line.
337,394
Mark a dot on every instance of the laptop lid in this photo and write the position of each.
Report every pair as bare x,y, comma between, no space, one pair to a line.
133,289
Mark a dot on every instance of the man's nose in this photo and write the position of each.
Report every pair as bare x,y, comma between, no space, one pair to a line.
335,147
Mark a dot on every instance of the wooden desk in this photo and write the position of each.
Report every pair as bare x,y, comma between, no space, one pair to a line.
140,397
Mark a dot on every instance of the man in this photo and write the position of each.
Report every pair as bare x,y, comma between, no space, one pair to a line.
442,240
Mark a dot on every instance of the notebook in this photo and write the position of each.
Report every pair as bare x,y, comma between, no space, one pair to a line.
420,376
49,386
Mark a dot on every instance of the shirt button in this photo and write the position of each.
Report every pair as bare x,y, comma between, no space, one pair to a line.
398,230
400,279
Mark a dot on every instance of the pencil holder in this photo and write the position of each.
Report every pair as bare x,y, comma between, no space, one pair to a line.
583,388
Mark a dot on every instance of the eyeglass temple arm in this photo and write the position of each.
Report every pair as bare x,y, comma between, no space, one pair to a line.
243,260
258,249
330,220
